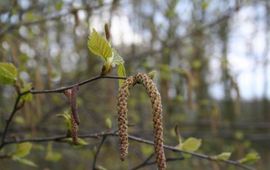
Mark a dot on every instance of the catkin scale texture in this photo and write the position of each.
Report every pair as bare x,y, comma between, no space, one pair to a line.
155,98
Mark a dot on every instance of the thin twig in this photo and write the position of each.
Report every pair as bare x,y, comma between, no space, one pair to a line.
144,162
154,162
14,110
62,89
49,18
98,151
133,138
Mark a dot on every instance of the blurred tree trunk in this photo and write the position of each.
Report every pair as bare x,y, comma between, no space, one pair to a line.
266,114
199,61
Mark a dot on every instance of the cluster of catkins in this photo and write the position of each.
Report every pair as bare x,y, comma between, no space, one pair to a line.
154,95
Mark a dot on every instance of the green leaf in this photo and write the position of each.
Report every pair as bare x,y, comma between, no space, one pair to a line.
99,46
117,59
27,97
67,119
146,149
24,161
22,149
108,123
190,145
51,155
81,142
251,157
19,120
99,167
121,72
58,5
223,156
8,73
152,74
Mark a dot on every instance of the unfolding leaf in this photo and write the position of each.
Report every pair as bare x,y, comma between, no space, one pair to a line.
28,96
191,144
117,59
67,118
251,157
99,46
8,73
22,149
223,156
121,73
24,161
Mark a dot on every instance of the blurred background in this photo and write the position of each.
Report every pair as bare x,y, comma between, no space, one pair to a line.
212,63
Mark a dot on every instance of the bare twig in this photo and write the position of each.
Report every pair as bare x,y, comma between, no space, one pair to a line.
144,162
48,18
62,89
147,163
16,107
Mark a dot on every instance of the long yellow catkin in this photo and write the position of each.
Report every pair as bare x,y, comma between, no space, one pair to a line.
155,98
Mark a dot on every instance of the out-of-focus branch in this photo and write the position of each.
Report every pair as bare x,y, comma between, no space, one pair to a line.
98,151
133,138
49,18
154,162
16,107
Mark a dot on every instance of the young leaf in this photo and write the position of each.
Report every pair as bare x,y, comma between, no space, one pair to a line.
190,145
8,73
99,45
223,156
108,123
121,73
24,161
117,59
251,157
82,142
22,149
67,118
27,97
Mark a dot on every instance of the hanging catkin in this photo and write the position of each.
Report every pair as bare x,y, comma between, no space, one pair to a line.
155,98
122,116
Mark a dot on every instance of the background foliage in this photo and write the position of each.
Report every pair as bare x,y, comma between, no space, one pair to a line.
188,43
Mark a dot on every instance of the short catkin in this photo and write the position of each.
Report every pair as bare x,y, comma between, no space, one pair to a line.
155,98
74,130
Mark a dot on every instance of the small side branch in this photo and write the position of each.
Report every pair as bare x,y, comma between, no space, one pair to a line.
16,107
98,151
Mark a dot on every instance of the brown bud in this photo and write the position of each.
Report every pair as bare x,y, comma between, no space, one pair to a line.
107,32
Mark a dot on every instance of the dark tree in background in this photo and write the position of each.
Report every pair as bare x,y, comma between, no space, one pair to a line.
211,60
